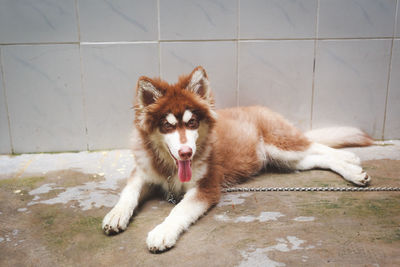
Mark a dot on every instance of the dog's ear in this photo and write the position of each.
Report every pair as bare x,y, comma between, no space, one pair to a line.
198,83
147,92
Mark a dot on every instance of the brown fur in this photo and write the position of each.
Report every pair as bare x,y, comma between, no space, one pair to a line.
236,149
210,185
365,141
182,135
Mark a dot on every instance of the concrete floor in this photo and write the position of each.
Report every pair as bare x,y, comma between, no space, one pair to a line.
52,205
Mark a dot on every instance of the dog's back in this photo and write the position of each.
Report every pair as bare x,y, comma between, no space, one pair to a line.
242,134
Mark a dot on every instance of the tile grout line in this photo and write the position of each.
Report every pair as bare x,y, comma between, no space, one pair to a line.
237,53
81,74
203,40
38,43
314,64
119,43
159,37
6,101
390,70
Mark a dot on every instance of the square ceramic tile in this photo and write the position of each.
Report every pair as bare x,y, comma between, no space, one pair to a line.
44,95
34,21
110,74
118,20
277,19
198,19
5,143
218,59
278,74
356,18
392,125
351,83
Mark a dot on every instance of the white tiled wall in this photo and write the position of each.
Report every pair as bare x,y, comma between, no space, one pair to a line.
69,68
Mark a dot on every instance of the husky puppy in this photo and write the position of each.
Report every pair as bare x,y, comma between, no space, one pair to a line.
182,144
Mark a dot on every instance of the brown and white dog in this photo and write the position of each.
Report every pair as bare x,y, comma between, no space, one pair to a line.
187,148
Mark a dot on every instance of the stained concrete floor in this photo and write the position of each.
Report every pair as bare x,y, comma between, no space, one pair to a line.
52,205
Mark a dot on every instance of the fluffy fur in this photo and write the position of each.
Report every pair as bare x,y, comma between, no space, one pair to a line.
338,137
187,148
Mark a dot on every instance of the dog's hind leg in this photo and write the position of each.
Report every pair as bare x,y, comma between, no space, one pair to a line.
337,153
118,218
342,162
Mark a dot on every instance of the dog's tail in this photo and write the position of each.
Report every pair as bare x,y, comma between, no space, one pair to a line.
338,137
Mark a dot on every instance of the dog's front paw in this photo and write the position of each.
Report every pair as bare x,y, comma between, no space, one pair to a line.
116,220
161,238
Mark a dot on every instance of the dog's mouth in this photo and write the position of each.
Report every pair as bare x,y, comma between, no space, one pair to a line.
184,168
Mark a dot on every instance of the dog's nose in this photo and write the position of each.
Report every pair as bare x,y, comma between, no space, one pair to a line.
185,153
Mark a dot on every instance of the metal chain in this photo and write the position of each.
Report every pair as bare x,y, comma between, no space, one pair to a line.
173,199
309,189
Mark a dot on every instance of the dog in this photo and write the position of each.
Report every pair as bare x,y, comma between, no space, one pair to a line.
183,145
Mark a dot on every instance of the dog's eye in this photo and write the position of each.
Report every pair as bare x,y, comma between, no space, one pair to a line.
192,123
166,126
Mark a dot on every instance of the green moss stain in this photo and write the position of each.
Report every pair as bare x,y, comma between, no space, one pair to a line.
63,229
88,223
354,207
48,219
27,183
395,237
325,207
379,208
382,212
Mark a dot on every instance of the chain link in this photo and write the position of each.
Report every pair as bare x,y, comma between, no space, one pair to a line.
309,189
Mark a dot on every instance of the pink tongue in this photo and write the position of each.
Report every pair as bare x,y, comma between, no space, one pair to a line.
184,170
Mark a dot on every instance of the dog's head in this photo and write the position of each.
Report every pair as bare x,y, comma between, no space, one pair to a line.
176,118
